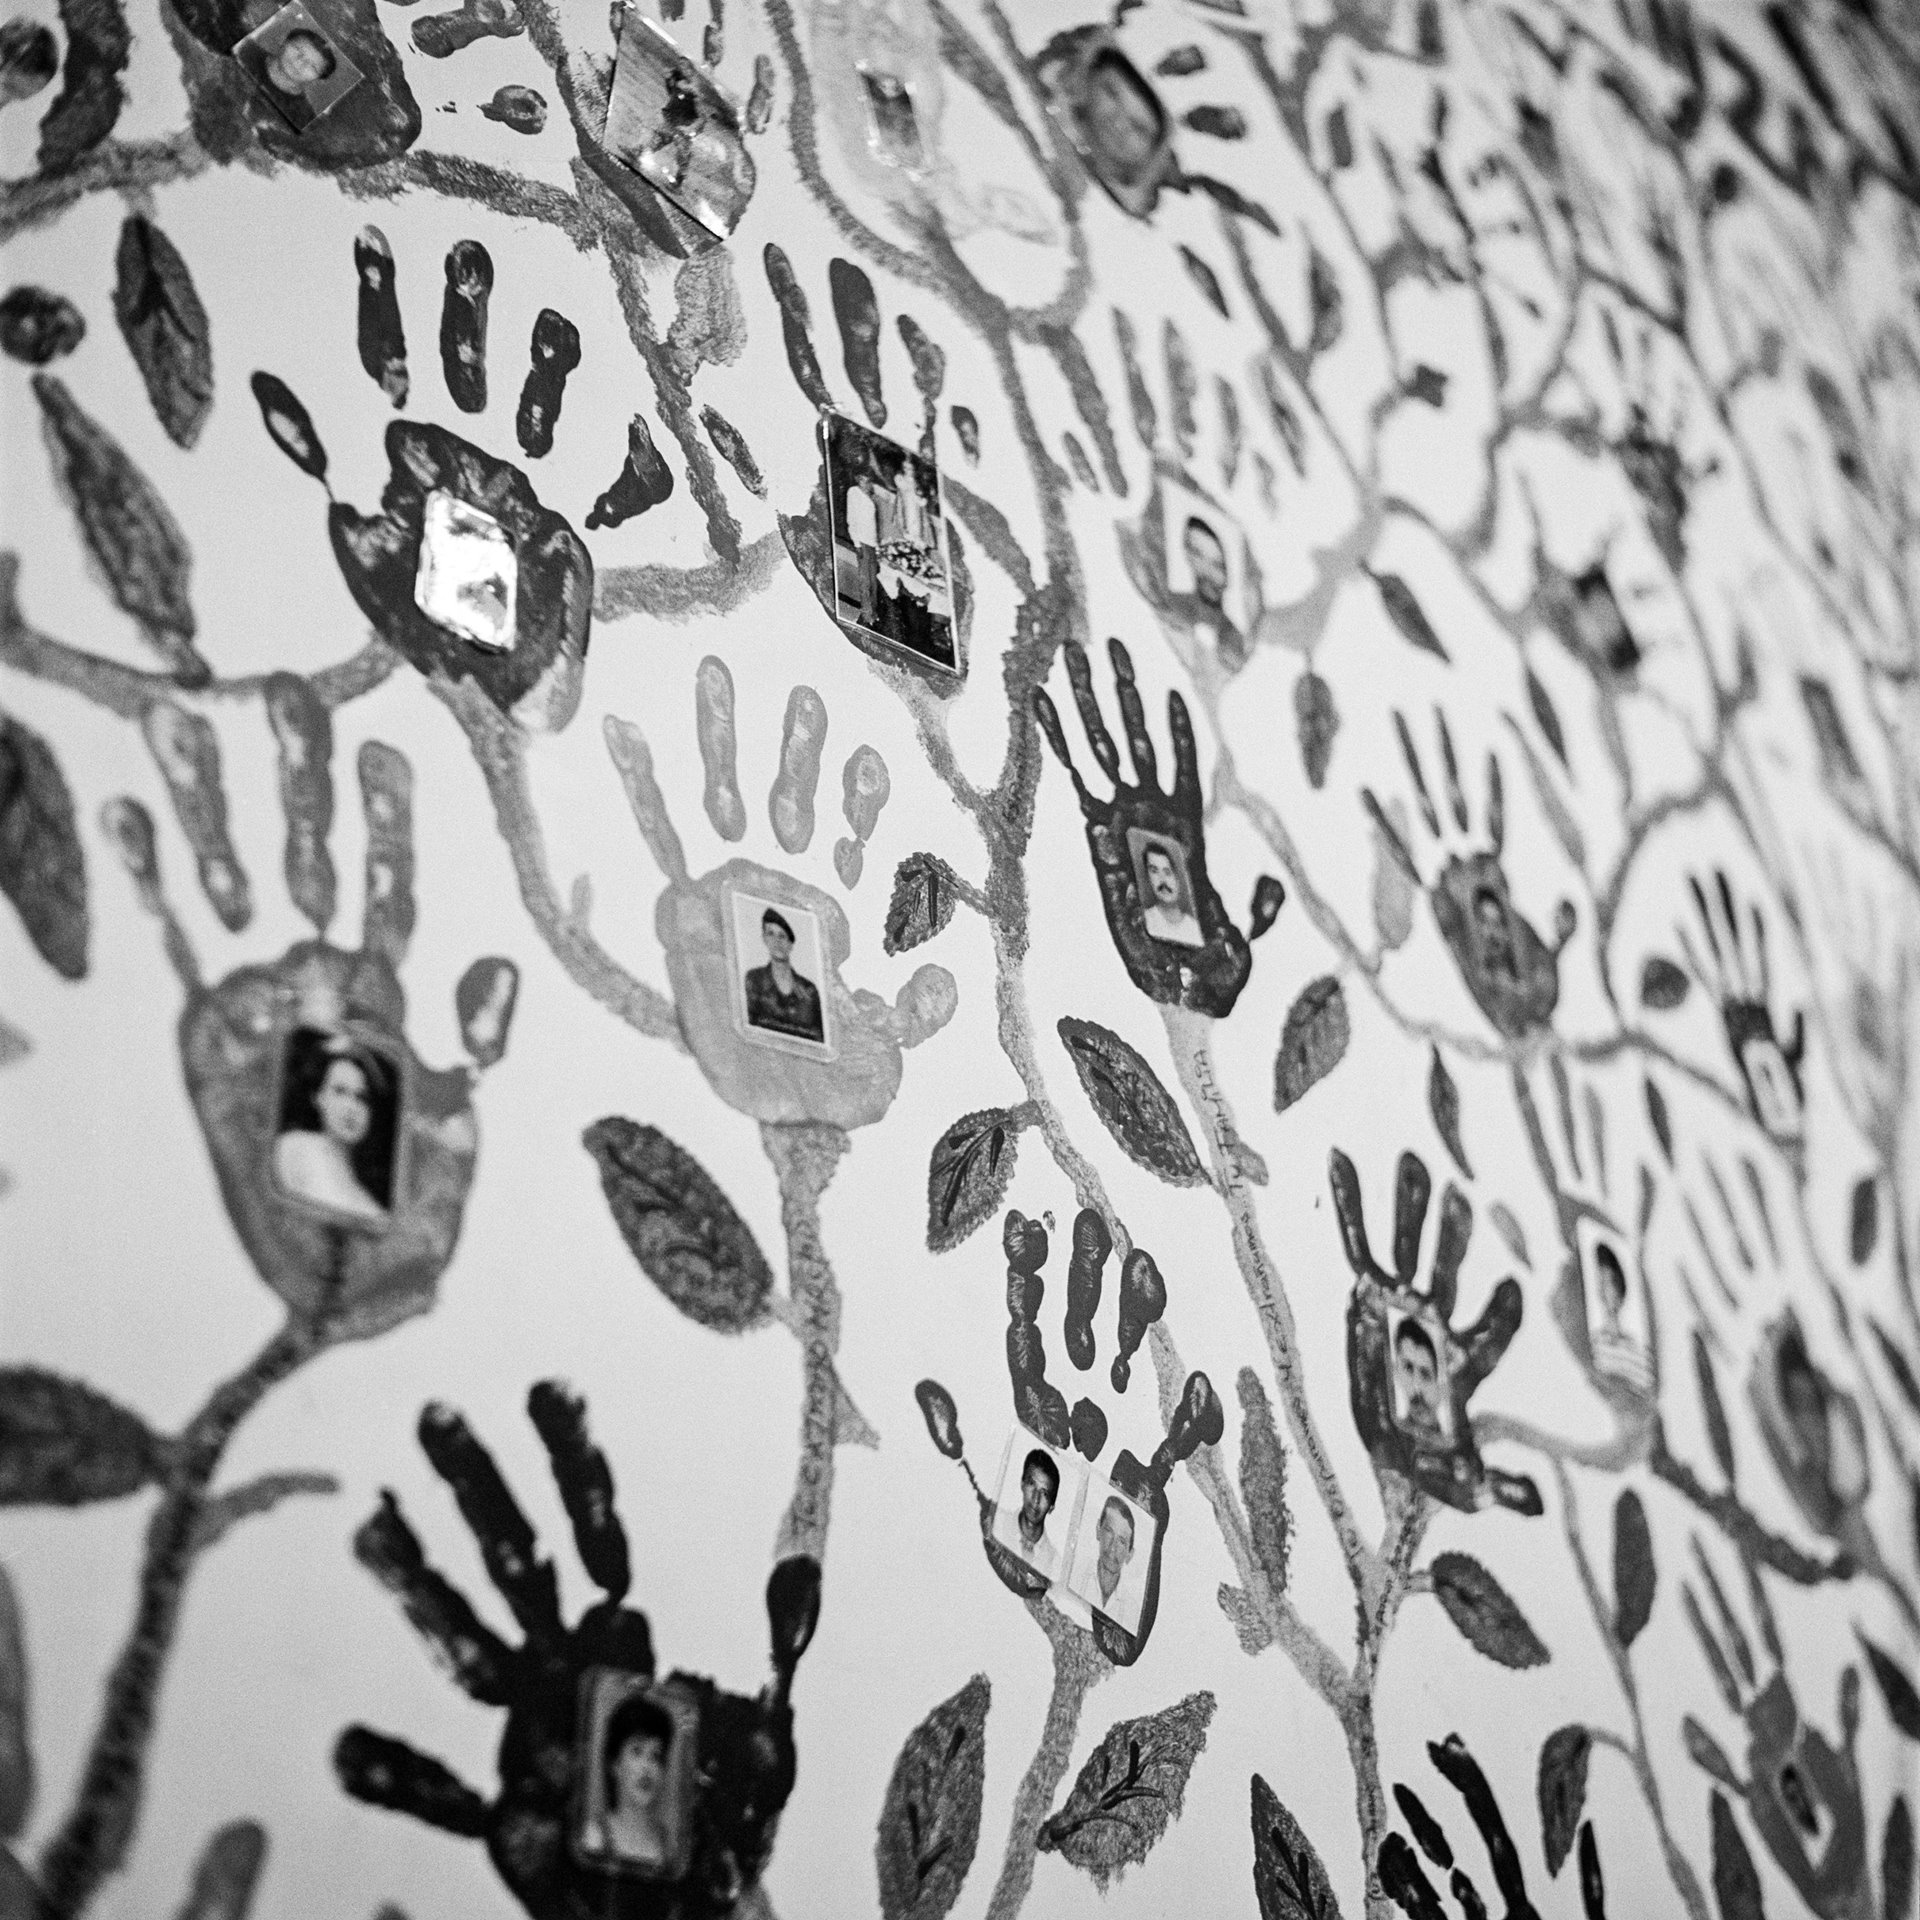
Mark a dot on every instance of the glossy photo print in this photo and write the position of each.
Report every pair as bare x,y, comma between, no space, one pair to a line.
1037,1503
637,1759
1112,1552
297,66
1120,127
889,543
778,975
337,1141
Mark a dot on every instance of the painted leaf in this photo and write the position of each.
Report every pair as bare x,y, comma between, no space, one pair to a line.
1312,1041
1707,1754
1484,1612
1633,1568
1896,1364
1563,1791
16,1746
1317,720
1135,1108
925,893
681,1228
43,869
1662,984
930,1819
1405,612
1896,1862
227,1874
289,424
1863,1224
942,1418
1711,1410
1545,715
1896,1688
1443,1102
1263,1481
1288,1879
1253,1633
134,540
968,1173
64,1445
1393,885
1323,289
1736,1886
1129,1792
1566,829
1657,1115
165,328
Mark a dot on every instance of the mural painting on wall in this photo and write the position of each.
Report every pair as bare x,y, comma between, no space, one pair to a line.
1379,538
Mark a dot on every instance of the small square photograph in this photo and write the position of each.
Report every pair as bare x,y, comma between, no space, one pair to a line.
1112,1550
1204,568
1165,887
468,572
1418,1375
779,961
1123,133
1037,1502
639,1741
1770,1078
337,1132
1600,624
676,129
297,67
1813,1821
893,127
889,543
1617,1328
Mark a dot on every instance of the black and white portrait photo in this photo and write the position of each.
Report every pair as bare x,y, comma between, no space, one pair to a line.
639,1742
1617,1330
1201,572
893,125
1112,1550
1036,1503
778,967
296,66
1602,626
1123,133
1165,887
337,1134
1417,1369
889,543
468,573
674,127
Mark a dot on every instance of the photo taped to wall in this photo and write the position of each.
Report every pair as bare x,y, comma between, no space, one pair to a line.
296,66
637,1748
889,543
1617,1330
468,575
674,127
1111,1553
1118,124
1165,887
1037,1502
1420,1378
337,1128
778,958
893,124
1205,569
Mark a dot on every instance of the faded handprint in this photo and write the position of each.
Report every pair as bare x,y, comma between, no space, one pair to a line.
539,1827
1802,1793
1410,1377
1149,850
850,1078
1512,974
343,1159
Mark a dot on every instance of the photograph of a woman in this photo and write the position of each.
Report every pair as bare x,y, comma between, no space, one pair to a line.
334,1143
637,1761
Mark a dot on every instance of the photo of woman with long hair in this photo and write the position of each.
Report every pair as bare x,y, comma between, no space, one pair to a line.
334,1143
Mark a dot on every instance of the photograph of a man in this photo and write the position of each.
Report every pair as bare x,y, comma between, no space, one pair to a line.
1166,891
296,66
1030,1487
1421,1395
1619,1346
1122,130
1205,554
1111,1555
780,998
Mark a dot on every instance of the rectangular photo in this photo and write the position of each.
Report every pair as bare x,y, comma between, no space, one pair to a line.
1120,128
336,1140
893,126
1419,1377
1165,886
890,576
1206,568
676,129
778,962
638,1743
1036,1502
1775,1104
297,66
468,573
1617,1329
1112,1550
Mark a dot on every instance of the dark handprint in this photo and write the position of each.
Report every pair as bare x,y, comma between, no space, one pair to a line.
1802,1792
1512,974
1150,852
555,1829
1409,1376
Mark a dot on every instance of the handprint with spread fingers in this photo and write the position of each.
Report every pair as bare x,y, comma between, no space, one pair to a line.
546,1828
1149,849
343,1159
1802,1792
1410,1376
1512,974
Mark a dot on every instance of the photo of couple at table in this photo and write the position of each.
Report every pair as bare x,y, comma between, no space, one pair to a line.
1063,1520
889,547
